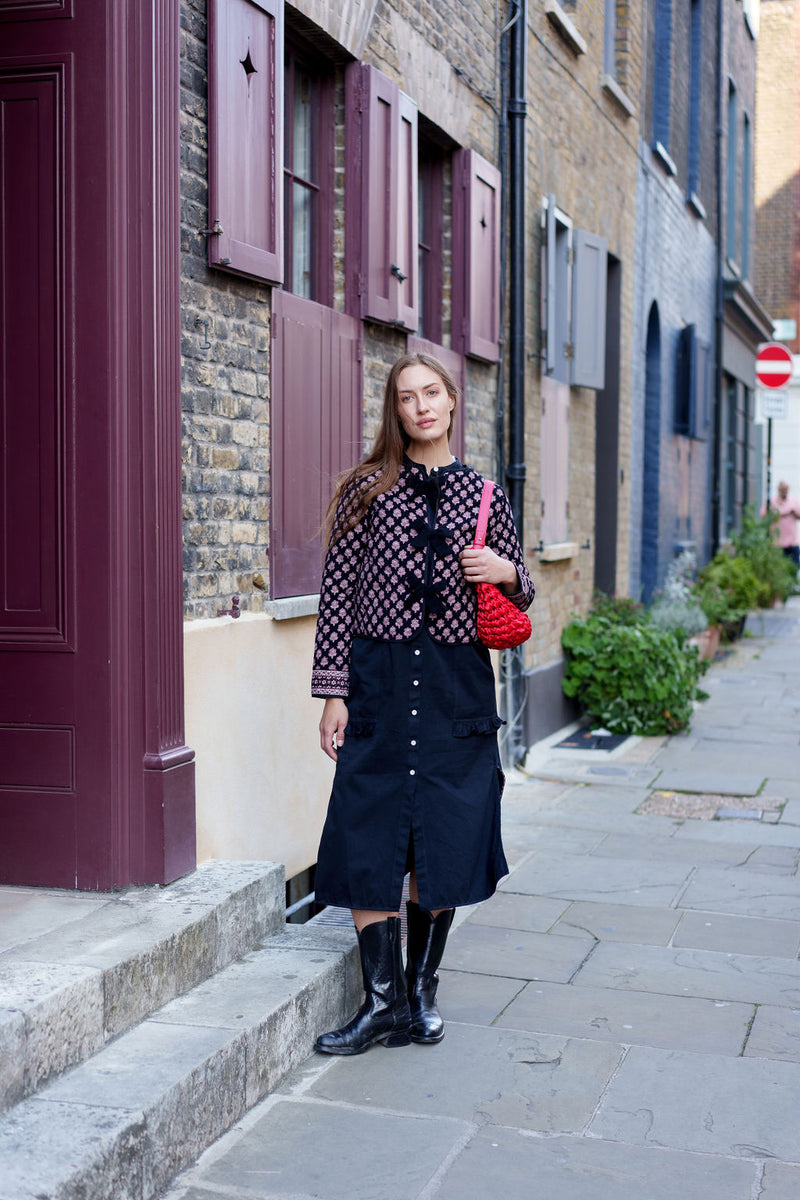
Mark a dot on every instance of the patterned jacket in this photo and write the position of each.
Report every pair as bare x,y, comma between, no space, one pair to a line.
400,566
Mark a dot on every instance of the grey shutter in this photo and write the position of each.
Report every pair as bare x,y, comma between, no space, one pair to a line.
589,274
245,94
550,285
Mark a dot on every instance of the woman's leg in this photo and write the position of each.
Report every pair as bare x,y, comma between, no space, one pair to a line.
385,1015
369,916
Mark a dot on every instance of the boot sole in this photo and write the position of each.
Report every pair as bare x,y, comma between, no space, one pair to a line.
391,1041
427,1041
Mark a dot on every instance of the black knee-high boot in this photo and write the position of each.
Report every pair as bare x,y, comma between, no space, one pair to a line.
385,1015
427,936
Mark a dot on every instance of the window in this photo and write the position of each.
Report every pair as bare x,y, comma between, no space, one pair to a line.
730,214
431,240
746,181
610,39
695,88
662,75
308,178
245,101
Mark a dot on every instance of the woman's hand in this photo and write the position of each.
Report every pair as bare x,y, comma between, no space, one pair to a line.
332,726
484,566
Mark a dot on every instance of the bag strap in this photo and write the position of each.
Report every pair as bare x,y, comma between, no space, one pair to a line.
483,515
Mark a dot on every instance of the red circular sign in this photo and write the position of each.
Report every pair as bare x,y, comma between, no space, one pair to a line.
774,365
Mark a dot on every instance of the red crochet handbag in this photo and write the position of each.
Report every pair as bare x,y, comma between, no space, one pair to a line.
501,625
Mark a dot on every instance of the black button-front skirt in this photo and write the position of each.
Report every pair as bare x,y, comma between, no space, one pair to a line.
418,779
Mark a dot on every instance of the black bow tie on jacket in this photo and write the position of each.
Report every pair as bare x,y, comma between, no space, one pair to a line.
419,590
437,539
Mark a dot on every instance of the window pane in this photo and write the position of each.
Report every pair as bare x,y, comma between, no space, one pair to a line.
302,239
302,149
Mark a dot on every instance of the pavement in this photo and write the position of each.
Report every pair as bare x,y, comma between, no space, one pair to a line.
623,1016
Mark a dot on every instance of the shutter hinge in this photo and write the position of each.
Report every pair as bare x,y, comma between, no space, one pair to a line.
359,353
569,349
570,256
566,507
543,508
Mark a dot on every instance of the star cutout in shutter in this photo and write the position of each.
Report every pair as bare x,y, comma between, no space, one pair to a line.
249,67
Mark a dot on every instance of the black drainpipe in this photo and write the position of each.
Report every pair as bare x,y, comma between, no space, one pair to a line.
516,468
719,311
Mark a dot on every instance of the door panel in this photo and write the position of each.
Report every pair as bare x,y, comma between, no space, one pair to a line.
56,707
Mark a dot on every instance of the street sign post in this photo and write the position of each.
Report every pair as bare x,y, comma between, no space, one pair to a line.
774,369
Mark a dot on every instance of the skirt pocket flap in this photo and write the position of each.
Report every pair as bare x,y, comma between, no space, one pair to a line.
360,728
476,725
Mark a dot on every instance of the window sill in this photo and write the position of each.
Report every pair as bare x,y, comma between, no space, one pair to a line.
613,89
562,22
662,154
292,606
694,202
557,551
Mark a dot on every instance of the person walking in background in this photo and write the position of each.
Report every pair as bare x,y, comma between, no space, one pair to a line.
788,510
410,715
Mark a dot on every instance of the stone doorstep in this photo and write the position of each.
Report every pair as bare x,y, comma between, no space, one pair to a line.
66,994
127,1121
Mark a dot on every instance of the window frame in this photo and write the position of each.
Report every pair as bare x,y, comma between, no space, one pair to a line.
298,55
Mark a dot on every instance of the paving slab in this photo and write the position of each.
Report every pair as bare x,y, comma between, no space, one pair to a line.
672,1022
738,833
602,800
500,1076
791,813
514,911
667,971
679,779
747,892
740,935
507,1162
661,849
711,1104
630,823
775,1034
302,1148
788,786
474,999
622,881
618,923
781,1181
515,953
757,735
541,837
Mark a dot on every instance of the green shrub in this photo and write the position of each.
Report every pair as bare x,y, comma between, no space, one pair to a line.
716,604
630,678
735,578
754,542
619,609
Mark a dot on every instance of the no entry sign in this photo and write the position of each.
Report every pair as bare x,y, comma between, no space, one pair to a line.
774,365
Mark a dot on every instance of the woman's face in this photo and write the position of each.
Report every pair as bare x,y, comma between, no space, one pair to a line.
424,405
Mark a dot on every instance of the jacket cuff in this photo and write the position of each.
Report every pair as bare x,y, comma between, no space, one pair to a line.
330,683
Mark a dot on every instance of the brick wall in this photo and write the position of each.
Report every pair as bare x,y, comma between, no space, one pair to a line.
776,267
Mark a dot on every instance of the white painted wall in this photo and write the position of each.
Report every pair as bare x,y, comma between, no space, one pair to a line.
785,438
262,781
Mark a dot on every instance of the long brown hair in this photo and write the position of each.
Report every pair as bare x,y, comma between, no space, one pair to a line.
384,461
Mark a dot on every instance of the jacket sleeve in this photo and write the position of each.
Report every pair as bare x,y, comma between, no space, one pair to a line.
502,537
330,675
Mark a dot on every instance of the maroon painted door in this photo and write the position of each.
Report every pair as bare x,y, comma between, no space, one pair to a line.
76,723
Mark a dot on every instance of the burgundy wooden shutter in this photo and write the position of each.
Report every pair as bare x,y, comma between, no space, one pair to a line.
384,121
315,431
477,199
589,276
245,96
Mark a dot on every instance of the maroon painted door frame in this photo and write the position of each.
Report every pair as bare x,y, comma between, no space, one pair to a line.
96,783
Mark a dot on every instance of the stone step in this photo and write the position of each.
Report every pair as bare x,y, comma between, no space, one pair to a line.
64,995
124,1123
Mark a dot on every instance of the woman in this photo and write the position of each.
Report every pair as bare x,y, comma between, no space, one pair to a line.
410,717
